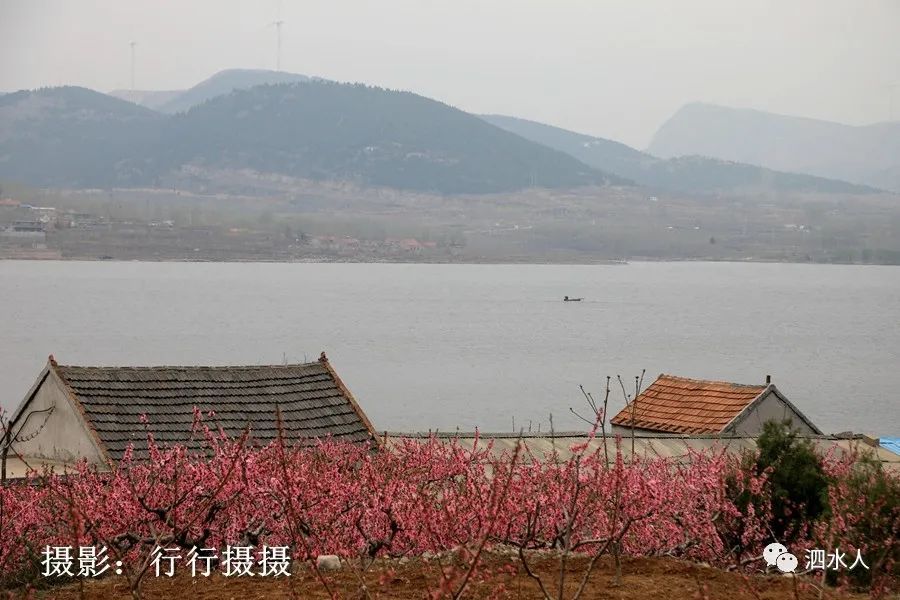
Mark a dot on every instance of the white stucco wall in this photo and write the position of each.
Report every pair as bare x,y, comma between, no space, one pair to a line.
64,437
771,407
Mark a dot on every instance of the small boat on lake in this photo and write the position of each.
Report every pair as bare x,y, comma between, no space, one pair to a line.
567,299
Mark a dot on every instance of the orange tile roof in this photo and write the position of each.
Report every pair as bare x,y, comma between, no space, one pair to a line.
679,405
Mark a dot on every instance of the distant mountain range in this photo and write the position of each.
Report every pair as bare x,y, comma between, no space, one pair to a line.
316,129
286,123
862,154
685,173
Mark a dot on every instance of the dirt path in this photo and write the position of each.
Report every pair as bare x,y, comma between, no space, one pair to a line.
667,579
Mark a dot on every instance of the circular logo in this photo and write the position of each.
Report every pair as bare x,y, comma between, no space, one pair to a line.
772,552
786,562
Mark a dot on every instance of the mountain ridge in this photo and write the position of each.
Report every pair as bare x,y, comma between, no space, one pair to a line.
218,84
690,173
865,154
151,99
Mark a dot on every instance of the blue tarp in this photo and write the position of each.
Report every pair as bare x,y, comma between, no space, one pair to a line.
891,443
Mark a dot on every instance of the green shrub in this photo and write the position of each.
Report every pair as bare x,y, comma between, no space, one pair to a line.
797,482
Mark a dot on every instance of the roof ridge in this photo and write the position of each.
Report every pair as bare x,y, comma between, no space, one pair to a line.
714,381
187,367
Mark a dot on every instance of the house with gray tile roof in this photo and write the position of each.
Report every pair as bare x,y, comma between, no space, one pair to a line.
96,413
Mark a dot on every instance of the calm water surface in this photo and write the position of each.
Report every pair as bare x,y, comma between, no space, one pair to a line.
441,346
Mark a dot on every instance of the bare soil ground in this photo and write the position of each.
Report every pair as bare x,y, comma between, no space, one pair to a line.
502,576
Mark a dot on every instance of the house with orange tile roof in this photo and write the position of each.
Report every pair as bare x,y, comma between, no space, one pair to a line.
682,406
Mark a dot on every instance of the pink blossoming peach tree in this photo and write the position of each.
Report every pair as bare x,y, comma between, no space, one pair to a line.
428,496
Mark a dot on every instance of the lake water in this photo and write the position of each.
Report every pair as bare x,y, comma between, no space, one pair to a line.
445,346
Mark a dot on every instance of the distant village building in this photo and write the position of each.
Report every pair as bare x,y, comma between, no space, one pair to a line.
96,413
410,244
43,214
677,405
77,220
24,228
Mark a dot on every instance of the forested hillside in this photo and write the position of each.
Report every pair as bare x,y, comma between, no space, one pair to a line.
317,130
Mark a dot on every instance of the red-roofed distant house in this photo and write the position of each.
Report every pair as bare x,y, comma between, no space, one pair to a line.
682,406
410,244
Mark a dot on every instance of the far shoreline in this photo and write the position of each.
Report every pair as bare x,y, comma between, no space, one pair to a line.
468,261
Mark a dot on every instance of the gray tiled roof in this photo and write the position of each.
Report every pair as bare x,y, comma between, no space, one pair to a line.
313,403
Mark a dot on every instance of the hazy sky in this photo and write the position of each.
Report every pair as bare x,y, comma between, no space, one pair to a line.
615,69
